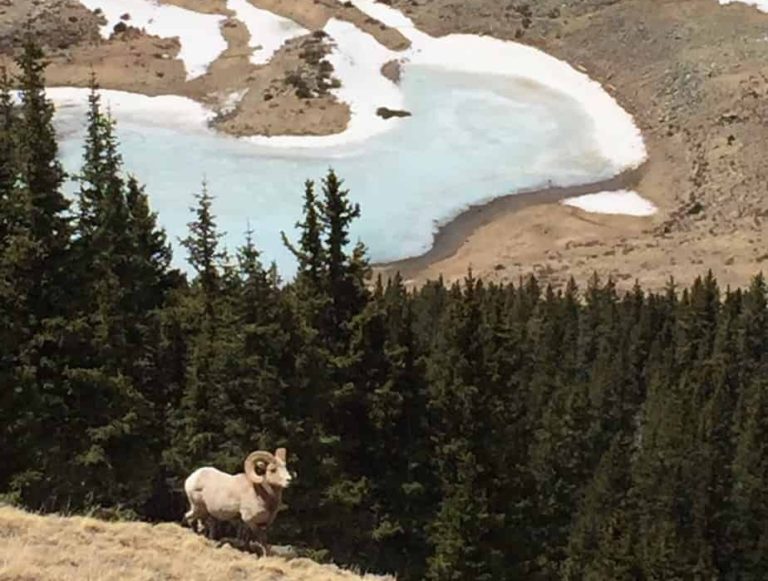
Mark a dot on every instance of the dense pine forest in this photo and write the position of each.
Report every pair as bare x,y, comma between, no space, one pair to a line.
463,432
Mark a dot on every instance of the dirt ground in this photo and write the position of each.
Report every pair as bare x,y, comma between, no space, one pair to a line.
693,73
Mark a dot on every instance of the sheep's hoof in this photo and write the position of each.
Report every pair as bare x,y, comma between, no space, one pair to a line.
258,549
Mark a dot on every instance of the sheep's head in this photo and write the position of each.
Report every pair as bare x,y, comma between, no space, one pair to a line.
263,467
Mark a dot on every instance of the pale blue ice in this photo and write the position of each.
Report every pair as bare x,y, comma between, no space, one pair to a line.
471,138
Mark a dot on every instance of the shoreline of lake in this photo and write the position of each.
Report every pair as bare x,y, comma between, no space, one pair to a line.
452,235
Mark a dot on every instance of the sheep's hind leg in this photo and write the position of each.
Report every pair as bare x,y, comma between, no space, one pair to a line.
192,519
212,528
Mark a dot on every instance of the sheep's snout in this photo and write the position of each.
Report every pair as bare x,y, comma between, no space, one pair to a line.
279,476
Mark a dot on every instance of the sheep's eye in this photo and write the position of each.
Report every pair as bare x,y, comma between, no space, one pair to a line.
273,469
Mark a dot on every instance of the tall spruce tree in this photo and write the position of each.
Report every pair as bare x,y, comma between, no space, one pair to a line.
9,169
346,271
461,401
35,287
123,260
261,359
328,295
749,532
9,173
207,312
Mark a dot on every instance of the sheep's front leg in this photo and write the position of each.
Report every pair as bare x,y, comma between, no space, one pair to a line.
256,535
263,541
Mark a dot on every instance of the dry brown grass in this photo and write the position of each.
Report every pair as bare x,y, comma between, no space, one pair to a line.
42,548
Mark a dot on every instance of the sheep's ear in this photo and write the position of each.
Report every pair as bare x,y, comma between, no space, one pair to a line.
261,467
280,454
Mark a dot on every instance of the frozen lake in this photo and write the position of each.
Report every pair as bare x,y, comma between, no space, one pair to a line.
472,137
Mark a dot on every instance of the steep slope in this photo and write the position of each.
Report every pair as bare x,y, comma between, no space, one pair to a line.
67,548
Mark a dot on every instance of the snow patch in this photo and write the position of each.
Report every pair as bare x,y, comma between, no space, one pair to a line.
199,34
232,101
164,111
619,202
268,30
357,59
759,4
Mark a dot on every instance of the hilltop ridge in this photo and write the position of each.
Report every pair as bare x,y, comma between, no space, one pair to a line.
60,548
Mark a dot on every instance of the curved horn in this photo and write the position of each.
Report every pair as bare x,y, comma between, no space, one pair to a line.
249,466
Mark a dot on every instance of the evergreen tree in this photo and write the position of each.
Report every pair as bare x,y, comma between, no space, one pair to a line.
207,312
8,181
750,503
35,283
460,401
346,271
9,170
310,253
602,538
395,448
329,409
204,255
260,359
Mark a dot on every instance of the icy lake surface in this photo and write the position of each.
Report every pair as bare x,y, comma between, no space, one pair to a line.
472,137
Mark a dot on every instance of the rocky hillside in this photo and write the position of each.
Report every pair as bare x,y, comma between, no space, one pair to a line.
59,24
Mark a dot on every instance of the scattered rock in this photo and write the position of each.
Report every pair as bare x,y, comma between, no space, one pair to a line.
386,113
284,551
392,71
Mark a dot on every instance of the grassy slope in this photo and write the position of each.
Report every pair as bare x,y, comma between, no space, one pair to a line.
40,548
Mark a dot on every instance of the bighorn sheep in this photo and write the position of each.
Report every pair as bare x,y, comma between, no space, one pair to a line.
252,497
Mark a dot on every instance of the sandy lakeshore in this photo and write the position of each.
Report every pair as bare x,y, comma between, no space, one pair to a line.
689,72
452,236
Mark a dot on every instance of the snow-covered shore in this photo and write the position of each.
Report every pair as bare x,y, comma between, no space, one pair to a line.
759,4
357,59
168,111
199,34
617,136
268,31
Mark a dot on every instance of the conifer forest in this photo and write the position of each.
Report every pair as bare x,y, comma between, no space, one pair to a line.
465,432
